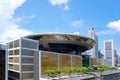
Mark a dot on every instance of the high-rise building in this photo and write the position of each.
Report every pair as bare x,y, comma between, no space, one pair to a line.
3,62
109,52
94,51
116,57
100,55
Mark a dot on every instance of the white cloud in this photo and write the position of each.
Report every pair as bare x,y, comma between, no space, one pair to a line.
16,3
114,25
66,7
77,23
9,29
60,3
23,18
13,32
107,32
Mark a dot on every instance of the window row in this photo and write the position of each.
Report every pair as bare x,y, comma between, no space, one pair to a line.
24,52
23,60
14,67
14,59
13,74
14,52
13,44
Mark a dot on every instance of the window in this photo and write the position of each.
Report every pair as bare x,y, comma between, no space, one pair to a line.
16,43
16,52
16,59
10,45
27,67
16,67
27,75
13,74
11,52
27,60
29,44
10,66
27,52
10,59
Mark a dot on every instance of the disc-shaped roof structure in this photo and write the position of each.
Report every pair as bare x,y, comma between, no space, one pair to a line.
62,42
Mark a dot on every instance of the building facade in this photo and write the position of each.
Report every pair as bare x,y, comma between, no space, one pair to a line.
94,51
3,62
30,56
109,52
100,55
21,59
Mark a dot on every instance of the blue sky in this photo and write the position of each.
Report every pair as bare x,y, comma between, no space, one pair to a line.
23,17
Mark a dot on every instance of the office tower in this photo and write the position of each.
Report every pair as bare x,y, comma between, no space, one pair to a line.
109,52
118,60
94,51
116,57
3,62
100,55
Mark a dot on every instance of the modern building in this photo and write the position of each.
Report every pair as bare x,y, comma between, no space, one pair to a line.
109,52
3,62
94,51
116,57
119,60
100,55
30,56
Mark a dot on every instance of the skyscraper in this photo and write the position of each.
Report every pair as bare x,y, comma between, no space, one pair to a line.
94,51
109,52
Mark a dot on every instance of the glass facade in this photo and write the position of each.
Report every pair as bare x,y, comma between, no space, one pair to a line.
27,68
10,45
28,44
20,59
85,60
27,60
109,52
16,43
13,60
25,52
28,49
27,76
13,75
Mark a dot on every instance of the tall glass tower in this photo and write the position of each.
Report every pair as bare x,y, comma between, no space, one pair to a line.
94,51
109,52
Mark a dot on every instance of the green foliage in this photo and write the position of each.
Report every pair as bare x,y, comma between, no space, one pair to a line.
50,72
90,69
58,71
70,70
104,68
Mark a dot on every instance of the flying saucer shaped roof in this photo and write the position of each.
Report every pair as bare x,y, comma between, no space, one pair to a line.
62,42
